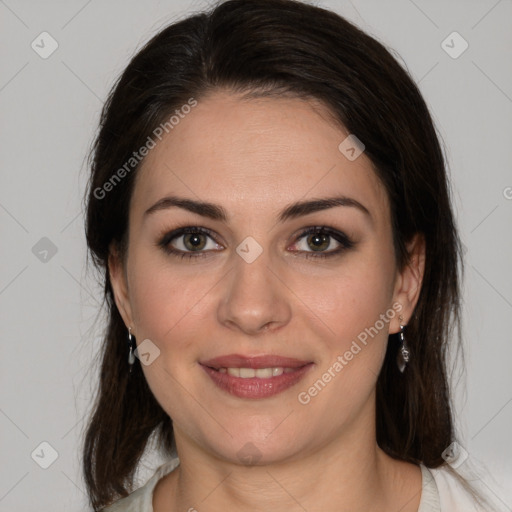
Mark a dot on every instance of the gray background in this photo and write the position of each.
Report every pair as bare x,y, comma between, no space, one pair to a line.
49,112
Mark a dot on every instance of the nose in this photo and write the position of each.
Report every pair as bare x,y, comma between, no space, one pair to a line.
254,299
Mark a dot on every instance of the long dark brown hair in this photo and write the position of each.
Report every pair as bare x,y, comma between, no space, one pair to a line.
279,47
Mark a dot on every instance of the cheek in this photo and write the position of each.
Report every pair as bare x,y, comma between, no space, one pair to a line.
356,306
353,297
169,309
164,299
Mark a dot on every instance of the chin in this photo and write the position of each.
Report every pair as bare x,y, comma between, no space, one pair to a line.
258,447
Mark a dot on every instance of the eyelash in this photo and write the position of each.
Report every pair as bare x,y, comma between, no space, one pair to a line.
167,238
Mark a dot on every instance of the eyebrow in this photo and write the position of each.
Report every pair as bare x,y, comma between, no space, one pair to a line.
292,211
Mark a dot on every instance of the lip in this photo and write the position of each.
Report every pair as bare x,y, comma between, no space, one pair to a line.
254,387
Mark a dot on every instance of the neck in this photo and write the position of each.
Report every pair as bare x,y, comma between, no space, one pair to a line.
349,474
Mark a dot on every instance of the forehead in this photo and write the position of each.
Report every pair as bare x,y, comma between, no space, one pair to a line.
255,154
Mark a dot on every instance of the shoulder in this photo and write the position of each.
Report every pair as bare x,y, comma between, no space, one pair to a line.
453,495
141,500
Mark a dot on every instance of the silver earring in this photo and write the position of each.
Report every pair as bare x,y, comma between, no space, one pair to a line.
131,343
404,353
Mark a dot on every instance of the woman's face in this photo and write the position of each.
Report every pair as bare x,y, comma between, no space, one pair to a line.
306,315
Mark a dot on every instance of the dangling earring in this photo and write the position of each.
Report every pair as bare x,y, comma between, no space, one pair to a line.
404,354
131,343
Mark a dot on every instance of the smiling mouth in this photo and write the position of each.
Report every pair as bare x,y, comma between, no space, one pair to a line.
255,377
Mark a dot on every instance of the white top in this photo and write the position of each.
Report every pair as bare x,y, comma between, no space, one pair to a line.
441,492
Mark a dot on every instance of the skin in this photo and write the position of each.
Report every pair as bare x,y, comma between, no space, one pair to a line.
254,157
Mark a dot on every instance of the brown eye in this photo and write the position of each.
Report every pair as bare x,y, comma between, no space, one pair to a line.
322,242
189,242
194,241
318,241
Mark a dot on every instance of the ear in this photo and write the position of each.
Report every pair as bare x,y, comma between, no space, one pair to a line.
408,282
119,282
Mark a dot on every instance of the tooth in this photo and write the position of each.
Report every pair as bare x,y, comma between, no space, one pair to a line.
234,372
264,373
247,373
261,373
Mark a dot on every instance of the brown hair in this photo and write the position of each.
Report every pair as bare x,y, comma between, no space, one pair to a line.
273,47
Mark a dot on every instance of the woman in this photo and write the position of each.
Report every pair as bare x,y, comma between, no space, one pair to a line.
270,208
